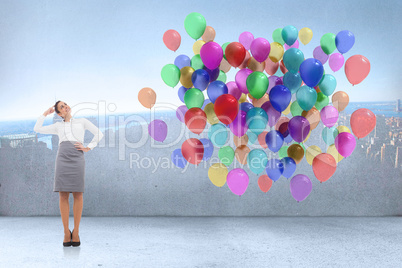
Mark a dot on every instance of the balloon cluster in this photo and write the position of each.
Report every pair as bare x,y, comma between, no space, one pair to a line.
268,75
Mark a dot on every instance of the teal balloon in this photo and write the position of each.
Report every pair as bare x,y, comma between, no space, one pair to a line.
257,160
327,84
218,134
256,119
290,34
329,135
252,137
292,81
306,97
170,75
292,59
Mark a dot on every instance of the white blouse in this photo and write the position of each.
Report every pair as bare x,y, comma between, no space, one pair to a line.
70,131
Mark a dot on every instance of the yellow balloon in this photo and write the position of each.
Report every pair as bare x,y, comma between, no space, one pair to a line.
276,53
185,76
210,112
308,136
197,46
243,98
334,152
312,152
305,35
343,129
287,110
218,173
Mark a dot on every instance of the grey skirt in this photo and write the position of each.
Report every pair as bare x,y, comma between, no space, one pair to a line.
69,173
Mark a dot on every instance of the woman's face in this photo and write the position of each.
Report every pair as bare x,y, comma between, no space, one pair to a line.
63,108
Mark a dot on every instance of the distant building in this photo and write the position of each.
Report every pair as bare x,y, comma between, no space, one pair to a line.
17,140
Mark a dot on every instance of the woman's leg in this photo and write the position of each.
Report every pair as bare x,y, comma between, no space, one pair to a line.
77,208
65,211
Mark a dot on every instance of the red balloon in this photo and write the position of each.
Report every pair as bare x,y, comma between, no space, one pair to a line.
357,68
324,166
283,68
265,183
172,39
362,122
195,119
192,150
226,108
235,54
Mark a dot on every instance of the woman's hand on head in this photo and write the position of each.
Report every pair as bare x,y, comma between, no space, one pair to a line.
49,111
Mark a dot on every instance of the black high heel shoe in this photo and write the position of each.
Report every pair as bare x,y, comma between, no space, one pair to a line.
68,244
74,244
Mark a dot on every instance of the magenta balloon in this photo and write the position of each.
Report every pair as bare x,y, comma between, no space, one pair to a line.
260,49
241,78
273,80
180,112
157,129
233,89
329,116
299,127
336,61
239,126
273,114
237,181
295,45
211,54
300,187
246,38
345,143
320,55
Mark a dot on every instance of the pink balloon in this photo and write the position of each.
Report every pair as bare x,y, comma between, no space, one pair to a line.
295,45
241,78
211,54
320,55
244,64
245,39
238,125
180,112
172,39
233,89
237,181
336,61
345,143
273,81
271,67
329,115
273,114
157,129
260,49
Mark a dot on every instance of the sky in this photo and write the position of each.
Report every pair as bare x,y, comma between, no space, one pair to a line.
86,52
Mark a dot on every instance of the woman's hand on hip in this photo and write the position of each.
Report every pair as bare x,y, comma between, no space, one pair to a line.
81,147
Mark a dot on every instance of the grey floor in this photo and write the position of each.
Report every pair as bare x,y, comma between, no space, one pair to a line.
204,242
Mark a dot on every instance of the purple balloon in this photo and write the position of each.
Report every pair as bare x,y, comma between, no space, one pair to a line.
157,129
206,101
344,41
237,181
329,116
295,45
211,54
241,78
260,49
300,187
246,38
336,61
320,55
246,106
208,149
273,114
273,80
178,159
180,112
345,143
239,126
299,128
182,90
233,89
213,74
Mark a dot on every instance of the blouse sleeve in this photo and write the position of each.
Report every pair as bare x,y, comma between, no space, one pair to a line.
98,135
39,128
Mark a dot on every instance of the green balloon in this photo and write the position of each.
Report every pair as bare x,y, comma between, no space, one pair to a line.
327,43
193,98
224,48
195,25
222,76
277,36
283,152
196,62
170,75
257,84
226,154
322,101
295,108
306,97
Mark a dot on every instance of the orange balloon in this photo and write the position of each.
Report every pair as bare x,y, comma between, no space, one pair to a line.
271,67
225,66
172,39
209,34
195,119
147,97
357,67
265,183
283,68
362,122
313,117
245,61
260,101
324,166
261,139
255,66
340,100
238,141
296,152
281,120
241,153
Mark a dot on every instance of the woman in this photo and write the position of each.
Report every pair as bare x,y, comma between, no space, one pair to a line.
70,163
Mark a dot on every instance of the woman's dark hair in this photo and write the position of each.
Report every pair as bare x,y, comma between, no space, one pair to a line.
57,109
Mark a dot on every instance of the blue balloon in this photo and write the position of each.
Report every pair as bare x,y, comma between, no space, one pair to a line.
306,97
182,61
288,139
256,120
274,140
292,81
290,34
215,89
218,134
200,79
274,169
208,149
213,74
289,167
311,71
246,106
257,160
252,137
178,159
292,59
182,90
206,101
344,41
327,84
280,97
329,135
